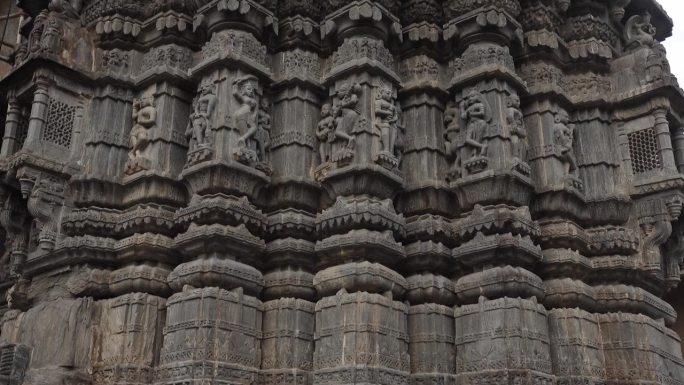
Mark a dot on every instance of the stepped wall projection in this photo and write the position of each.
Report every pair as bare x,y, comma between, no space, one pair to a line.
319,192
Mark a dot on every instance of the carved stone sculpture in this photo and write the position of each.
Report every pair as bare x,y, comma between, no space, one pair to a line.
476,113
639,32
144,118
324,130
516,125
252,122
372,192
200,124
70,8
346,117
564,137
453,139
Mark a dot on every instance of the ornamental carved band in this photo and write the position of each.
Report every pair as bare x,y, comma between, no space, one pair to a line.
337,192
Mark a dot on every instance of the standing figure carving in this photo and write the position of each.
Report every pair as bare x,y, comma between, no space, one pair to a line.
399,132
324,130
385,118
564,136
345,115
452,140
516,125
145,117
252,120
348,115
477,115
263,134
246,114
200,124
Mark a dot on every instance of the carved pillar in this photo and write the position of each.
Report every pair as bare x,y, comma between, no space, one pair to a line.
16,127
226,168
361,327
38,117
487,140
292,199
425,200
662,133
678,144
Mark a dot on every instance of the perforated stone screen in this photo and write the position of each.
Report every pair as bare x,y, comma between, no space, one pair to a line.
60,123
643,149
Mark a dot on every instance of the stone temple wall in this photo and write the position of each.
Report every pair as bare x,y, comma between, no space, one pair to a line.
314,192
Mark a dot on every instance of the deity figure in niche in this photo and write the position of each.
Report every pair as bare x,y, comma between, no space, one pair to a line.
386,119
262,136
477,115
200,120
516,125
324,130
145,117
452,140
246,114
399,132
346,117
564,136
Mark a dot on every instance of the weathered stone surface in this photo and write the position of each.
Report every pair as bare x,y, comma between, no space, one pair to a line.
301,192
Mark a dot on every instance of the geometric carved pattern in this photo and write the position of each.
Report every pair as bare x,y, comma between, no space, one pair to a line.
643,150
60,123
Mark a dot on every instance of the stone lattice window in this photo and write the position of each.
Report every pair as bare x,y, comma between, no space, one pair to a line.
643,149
60,123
